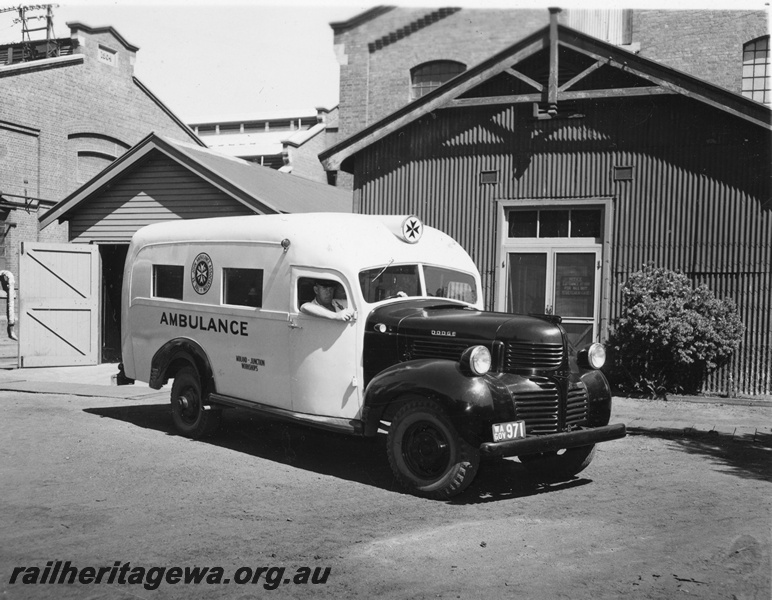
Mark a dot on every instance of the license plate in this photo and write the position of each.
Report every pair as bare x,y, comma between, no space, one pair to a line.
508,431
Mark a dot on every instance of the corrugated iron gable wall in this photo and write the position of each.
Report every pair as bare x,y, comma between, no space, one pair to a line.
699,199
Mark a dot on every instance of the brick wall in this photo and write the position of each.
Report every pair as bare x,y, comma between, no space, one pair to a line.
305,159
705,43
374,84
52,111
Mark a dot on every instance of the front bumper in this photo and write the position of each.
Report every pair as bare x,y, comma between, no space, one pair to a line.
555,441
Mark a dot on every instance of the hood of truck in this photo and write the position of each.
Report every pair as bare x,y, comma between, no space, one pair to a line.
443,320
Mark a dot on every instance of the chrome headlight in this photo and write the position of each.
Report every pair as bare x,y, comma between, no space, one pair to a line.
476,360
594,356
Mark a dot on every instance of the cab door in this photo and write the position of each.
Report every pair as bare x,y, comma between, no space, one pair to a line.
325,357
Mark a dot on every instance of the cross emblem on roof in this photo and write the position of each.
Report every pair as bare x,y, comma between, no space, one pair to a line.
412,229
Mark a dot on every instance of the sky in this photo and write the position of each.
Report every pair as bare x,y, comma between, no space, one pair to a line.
212,59
206,60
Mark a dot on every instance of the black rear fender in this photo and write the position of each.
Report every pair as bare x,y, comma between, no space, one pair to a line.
175,355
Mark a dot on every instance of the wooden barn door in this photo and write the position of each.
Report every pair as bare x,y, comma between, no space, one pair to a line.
58,305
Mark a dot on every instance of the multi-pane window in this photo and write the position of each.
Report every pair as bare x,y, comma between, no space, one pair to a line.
555,223
430,76
756,70
167,281
243,287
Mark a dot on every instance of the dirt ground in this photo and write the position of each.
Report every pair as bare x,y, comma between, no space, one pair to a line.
103,482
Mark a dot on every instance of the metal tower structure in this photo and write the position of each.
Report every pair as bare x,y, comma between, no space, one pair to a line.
29,50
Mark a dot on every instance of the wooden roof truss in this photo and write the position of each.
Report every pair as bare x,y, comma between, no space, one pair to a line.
555,69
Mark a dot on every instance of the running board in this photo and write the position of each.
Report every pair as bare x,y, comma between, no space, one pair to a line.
350,426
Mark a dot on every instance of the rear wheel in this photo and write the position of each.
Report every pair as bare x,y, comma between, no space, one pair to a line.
559,465
426,454
190,418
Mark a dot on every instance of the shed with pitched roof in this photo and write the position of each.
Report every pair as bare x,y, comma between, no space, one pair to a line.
159,179
564,163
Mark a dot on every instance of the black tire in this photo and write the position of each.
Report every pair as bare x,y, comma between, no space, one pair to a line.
554,466
190,418
426,453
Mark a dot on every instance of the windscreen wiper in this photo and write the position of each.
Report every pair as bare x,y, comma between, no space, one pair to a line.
382,271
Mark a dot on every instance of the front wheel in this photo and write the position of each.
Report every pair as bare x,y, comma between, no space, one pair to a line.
559,465
190,418
426,453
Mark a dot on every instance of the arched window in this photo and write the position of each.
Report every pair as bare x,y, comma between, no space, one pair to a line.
756,70
429,76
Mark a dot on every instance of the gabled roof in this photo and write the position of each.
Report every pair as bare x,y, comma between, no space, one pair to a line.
76,26
360,18
153,98
513,69
263,190
299,138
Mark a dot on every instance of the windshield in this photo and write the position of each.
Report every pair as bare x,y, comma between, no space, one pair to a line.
393,281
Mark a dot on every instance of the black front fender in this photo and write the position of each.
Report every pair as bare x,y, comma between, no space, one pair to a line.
599,394
471,402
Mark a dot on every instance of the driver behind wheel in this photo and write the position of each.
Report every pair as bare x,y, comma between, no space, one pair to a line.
324,303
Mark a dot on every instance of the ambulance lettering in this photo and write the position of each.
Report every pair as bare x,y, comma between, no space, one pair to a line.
203,324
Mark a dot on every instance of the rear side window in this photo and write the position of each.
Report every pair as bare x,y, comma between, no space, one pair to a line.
243,287
167,281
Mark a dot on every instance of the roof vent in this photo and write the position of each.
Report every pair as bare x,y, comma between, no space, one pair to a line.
623,173
489,176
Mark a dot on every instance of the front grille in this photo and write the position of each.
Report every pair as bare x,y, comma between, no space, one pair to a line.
524,355
576,406
418,348
539,409
518,356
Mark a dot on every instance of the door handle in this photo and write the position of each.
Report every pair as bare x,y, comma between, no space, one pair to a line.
548,309
292,324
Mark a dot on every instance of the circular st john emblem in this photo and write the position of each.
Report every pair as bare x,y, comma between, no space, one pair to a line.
412,229
201,273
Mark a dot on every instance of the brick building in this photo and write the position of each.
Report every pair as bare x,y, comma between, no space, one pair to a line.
300,151
390,56
65,114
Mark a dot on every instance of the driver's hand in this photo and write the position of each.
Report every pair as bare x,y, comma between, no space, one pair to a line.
347,315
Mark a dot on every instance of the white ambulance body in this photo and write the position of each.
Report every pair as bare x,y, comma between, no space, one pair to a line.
230,288
217,306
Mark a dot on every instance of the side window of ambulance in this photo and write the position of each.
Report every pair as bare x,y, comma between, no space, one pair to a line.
306,292
243,287
167,281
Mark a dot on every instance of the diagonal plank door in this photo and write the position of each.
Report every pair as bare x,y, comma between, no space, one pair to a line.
58,305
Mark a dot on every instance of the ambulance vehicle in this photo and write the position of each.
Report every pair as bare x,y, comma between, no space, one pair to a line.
217,307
